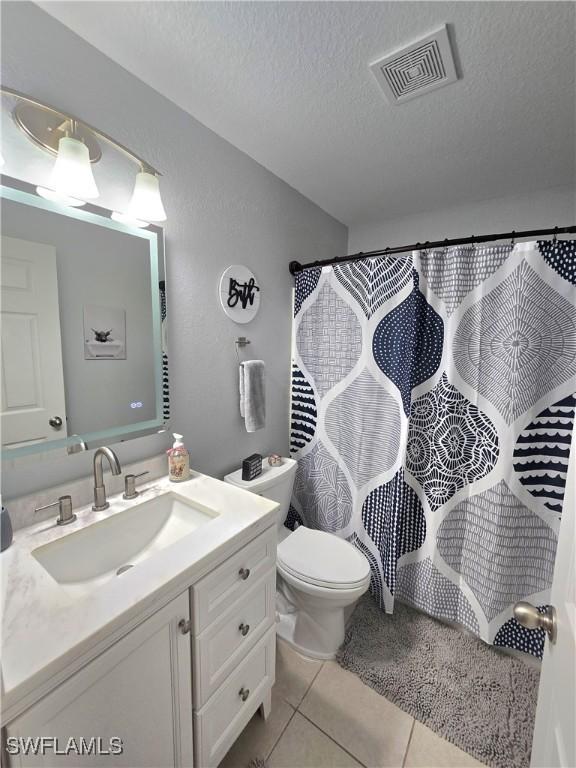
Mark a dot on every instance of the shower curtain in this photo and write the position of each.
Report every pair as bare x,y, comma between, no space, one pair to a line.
432,408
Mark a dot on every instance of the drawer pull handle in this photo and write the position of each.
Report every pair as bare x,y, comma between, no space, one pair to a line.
244,573
184,626
244,629
244,693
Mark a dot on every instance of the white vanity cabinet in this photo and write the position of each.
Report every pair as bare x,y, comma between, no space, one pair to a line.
233,621
139,691
178,688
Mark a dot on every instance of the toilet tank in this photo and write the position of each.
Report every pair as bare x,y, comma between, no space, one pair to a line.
275,483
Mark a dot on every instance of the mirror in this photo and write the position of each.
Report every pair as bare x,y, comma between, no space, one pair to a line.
82,304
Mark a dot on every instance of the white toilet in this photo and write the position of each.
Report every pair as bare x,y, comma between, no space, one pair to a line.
320,576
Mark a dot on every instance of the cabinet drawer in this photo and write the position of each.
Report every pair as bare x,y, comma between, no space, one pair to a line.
220,721
227,584
223,645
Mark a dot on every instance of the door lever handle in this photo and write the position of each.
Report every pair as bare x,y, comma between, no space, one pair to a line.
530,617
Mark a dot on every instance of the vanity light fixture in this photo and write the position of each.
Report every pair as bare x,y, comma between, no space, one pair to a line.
76,146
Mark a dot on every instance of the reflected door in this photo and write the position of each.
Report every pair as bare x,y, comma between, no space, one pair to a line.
33,404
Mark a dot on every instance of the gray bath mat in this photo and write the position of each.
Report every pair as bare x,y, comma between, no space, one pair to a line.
480,699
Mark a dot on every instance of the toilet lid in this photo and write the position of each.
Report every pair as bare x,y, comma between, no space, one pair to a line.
323,559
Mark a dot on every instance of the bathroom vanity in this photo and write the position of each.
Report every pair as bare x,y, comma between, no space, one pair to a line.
171,657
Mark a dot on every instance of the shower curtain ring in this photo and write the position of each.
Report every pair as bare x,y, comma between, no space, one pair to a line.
513,241
555,238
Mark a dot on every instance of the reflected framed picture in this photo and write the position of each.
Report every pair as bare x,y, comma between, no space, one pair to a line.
104,333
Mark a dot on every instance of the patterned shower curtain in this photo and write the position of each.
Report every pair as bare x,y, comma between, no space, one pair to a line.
432,409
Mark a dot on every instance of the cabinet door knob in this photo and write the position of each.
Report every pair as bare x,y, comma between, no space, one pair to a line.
184,626
244,693
244,573
55,422
244,629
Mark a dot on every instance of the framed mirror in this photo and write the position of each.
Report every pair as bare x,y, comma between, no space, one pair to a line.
83,302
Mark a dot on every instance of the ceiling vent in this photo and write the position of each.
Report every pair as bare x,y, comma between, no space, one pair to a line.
416,69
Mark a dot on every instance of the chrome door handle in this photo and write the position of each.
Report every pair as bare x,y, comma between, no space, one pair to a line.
244,629
55,422
184,626
244,693
244,573
530,617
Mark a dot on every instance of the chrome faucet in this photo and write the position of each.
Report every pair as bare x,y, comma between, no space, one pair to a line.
100,502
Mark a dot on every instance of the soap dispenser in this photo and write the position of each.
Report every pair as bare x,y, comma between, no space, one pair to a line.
178,461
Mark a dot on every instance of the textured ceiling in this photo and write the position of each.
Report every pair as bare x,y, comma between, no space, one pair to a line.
289,84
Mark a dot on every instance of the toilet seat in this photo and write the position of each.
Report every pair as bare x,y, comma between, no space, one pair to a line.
323,560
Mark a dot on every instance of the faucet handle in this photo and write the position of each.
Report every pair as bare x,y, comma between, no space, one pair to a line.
130,491
65,514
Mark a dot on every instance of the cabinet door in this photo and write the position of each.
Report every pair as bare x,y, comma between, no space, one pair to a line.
139,691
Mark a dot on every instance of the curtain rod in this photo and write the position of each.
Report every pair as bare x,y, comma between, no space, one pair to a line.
295,266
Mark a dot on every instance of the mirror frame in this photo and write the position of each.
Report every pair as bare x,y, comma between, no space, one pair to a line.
22,192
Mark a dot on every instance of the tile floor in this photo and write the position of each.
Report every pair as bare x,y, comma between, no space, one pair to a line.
325,717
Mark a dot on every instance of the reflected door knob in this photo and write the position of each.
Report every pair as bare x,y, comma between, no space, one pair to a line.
530,617
55,422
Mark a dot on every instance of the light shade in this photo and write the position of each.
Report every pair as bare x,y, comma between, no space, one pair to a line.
146,203
72,172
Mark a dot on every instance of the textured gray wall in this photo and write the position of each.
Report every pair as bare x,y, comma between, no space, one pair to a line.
535,210
223,208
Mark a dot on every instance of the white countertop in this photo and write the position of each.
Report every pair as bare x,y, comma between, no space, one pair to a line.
47,634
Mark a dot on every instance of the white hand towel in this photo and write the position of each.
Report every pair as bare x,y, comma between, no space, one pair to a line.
253,394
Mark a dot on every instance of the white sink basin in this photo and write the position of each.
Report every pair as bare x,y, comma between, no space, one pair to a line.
88,558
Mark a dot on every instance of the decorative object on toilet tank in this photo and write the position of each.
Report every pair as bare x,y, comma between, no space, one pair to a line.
239,294
275,460
252,467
